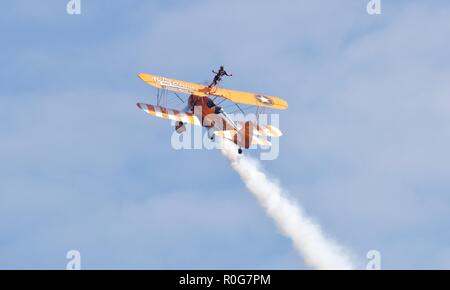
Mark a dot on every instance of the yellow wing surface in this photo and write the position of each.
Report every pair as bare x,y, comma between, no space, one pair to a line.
173,85
202,91
250,98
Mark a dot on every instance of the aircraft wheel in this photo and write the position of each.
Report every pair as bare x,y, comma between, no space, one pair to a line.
211,134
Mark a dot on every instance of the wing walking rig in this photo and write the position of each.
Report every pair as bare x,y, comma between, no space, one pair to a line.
206,106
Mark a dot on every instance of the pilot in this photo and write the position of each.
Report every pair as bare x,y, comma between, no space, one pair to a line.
218,76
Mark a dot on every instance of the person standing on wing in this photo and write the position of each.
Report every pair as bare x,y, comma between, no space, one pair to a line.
218,76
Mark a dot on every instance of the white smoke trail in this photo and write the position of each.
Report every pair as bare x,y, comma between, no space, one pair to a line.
307,237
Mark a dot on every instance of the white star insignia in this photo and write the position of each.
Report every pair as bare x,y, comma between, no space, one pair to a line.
264,100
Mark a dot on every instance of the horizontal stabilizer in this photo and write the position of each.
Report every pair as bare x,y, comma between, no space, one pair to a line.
264,130
260,141
230,134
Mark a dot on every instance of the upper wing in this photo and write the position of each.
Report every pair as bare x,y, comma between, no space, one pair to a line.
169,114
201,90
174,85
250,99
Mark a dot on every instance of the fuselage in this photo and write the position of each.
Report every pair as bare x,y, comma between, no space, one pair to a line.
211,115
215,119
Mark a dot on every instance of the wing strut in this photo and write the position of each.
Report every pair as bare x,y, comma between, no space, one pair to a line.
239,107
179,97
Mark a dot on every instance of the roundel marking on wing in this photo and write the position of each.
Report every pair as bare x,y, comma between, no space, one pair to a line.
264,100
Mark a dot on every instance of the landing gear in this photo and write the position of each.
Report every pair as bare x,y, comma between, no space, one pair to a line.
179,127
211,134
239,151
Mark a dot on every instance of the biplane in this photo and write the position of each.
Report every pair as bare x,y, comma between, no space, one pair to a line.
206,106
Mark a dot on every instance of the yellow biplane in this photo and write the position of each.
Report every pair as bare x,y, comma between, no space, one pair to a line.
205,107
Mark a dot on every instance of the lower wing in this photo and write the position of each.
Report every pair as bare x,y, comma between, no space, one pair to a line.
169,114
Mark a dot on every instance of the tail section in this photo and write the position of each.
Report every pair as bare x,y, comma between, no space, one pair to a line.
230,135
264,130
245,135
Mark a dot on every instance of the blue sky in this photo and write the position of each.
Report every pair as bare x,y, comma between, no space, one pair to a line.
365,145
